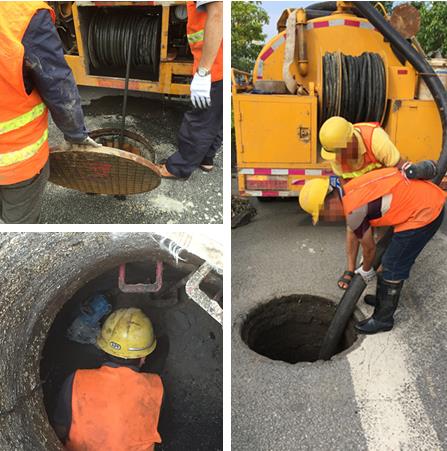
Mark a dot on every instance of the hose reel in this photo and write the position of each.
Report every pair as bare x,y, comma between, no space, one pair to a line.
109,38
354,87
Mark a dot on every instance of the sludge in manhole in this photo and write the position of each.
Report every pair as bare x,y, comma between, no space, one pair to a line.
292,328
188,356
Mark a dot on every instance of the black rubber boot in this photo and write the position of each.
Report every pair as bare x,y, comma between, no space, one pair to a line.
387,298
370,299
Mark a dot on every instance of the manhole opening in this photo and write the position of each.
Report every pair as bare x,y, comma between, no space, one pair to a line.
188,355
292,328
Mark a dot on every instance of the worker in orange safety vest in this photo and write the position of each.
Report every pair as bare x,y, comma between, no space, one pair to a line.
200,135
115,407
34,77
353,150
384,197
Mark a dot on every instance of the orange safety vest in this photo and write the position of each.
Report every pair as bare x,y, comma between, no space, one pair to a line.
414,204
115,409
23,118
196,31
366,130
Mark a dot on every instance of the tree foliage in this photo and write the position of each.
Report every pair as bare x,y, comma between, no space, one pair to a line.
433,32
247,20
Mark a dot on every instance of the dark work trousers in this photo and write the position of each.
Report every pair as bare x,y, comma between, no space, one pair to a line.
21,202
200,136
405,247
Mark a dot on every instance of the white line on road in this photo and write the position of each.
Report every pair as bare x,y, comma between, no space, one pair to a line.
391,412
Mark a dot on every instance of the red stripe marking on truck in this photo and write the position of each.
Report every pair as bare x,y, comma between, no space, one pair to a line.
266,54
321,24
352,23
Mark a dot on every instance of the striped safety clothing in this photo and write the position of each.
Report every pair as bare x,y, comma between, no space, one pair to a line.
364,163
196,32
405,204
23,118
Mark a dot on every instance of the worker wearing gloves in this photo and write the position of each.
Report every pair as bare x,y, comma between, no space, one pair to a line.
354,150
34,77
115,406
385,197
200,135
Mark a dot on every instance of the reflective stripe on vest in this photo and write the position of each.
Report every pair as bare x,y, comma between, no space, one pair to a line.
17,156
194,38
370,167
20,121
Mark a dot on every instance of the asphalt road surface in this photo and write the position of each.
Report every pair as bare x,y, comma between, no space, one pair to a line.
386,393
195,201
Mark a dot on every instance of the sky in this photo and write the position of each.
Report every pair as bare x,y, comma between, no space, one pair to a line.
274,10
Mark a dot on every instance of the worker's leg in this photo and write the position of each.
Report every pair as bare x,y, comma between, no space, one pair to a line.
352,249
197,135
21,203
217,144
397,262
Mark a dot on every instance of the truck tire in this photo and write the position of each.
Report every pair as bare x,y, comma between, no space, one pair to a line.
40,272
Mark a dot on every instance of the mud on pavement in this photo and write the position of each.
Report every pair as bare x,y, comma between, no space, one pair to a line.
197,200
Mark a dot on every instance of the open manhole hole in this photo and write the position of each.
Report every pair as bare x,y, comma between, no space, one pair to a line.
188,355
292,328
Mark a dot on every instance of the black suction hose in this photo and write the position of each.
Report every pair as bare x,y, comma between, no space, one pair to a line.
437,90
348,302
126,89
432,81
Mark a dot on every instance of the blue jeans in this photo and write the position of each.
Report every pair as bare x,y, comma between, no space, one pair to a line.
404,249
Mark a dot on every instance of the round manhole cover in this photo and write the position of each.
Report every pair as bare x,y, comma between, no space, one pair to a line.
292,328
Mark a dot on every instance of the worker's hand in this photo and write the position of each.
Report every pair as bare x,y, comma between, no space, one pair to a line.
88,142
368,276
200,91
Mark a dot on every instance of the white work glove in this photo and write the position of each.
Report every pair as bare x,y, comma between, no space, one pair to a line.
200,91
88,142
368,276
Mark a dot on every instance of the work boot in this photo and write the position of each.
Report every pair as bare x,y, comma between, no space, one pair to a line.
370,299
387,298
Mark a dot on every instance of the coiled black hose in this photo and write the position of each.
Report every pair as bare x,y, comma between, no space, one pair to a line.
109,38
354,87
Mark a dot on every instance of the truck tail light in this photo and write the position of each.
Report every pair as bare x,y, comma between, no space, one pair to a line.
263,182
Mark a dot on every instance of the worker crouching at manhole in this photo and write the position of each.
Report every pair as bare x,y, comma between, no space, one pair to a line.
200,135
354,150
34,77
384,197
114,407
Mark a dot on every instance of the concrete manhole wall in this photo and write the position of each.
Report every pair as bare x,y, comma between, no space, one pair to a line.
40,273
292,328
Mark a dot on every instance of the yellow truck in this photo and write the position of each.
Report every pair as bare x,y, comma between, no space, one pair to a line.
94,33
315,68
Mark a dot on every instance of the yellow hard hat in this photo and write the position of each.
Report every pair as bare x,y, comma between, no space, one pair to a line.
335,134
127,333
312,197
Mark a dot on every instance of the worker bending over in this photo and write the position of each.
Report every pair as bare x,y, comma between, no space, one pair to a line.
114,407
354,150
34,77
385,197
200,135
